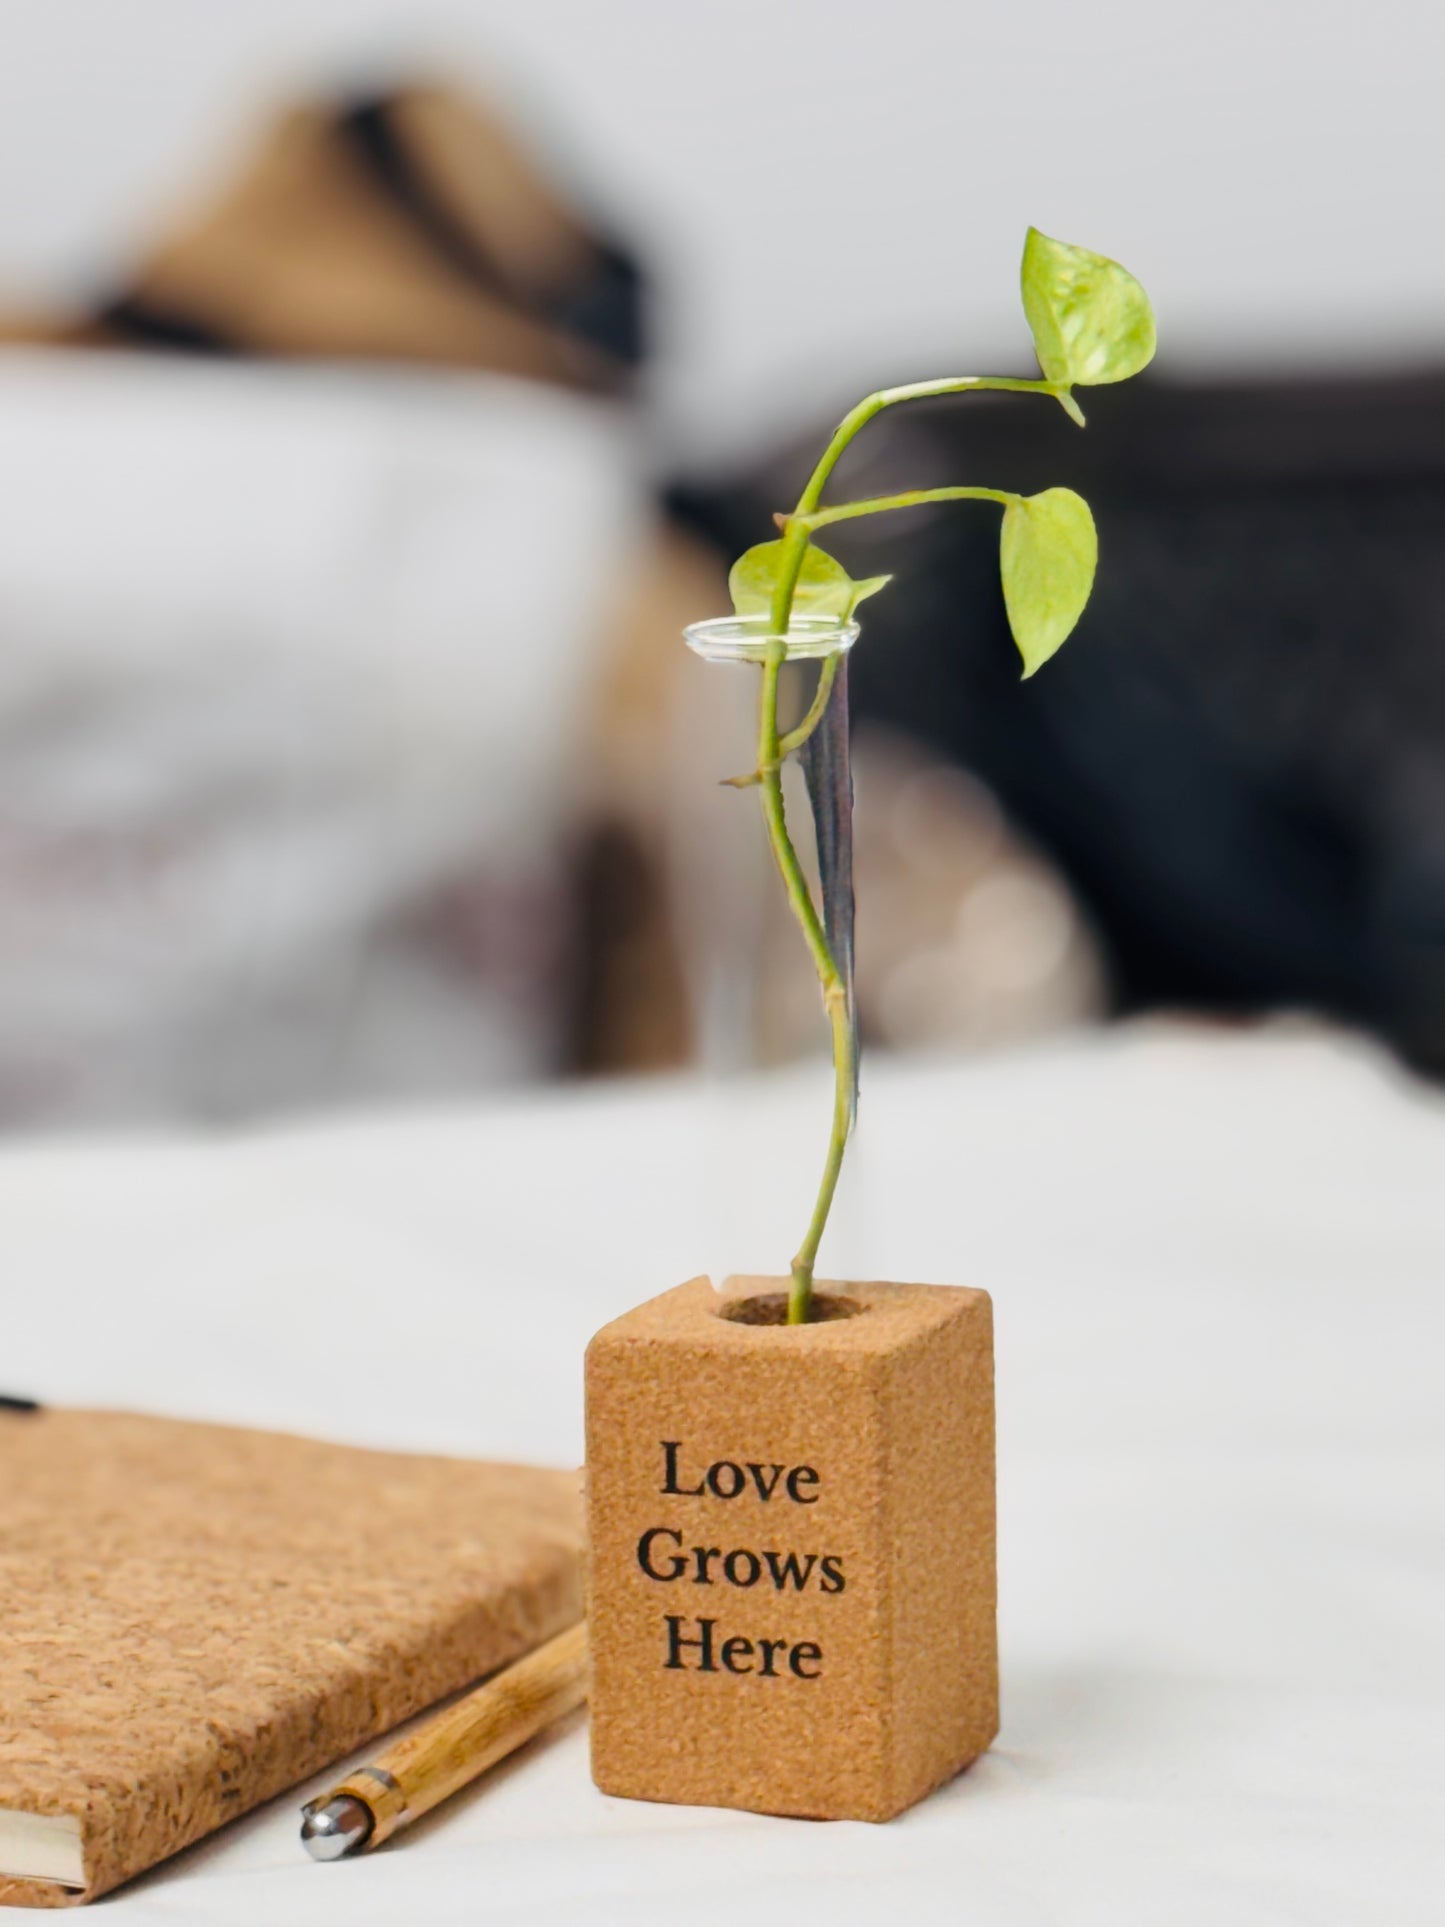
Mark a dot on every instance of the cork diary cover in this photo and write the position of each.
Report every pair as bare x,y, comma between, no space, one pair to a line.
194,1618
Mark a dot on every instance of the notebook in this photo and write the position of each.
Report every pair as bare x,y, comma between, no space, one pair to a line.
194,1618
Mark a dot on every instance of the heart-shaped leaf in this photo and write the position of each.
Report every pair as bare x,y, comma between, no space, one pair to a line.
1091,320
825,587
1047,556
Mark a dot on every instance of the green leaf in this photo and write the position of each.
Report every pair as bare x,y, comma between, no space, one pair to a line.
825,587
1047,556
1091,320
870,585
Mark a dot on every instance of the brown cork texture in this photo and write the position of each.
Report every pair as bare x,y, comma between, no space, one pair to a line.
196,1617
791,1566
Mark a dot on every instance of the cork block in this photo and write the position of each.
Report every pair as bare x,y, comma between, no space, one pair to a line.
791,1568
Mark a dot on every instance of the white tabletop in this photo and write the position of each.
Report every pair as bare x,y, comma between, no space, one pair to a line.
1218,1266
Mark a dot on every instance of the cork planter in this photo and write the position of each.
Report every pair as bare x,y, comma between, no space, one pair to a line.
791,1560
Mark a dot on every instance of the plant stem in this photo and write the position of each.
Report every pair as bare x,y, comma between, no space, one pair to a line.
772,749
835,1000
771,789
800,1293
872,405
912,498
796,738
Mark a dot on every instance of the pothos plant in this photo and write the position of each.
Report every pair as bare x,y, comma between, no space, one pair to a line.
1091,324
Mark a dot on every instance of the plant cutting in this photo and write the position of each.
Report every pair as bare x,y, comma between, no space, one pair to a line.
791,1493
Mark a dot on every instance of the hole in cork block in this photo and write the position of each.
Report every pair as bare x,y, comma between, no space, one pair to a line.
771,1308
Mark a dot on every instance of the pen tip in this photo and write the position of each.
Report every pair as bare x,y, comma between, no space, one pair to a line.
335,1828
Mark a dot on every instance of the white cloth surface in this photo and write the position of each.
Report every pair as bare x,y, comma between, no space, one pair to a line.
1217,1265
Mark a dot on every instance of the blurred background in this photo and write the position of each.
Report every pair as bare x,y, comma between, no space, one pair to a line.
383,386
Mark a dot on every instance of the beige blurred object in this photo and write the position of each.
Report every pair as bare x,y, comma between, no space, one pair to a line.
413,227
634,1005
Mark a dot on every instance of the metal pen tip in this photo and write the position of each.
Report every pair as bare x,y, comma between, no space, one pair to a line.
335,1828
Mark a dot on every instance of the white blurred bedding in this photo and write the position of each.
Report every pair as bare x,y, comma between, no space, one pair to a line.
292,668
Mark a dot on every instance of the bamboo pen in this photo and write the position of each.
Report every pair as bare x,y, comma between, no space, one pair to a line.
422,1770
